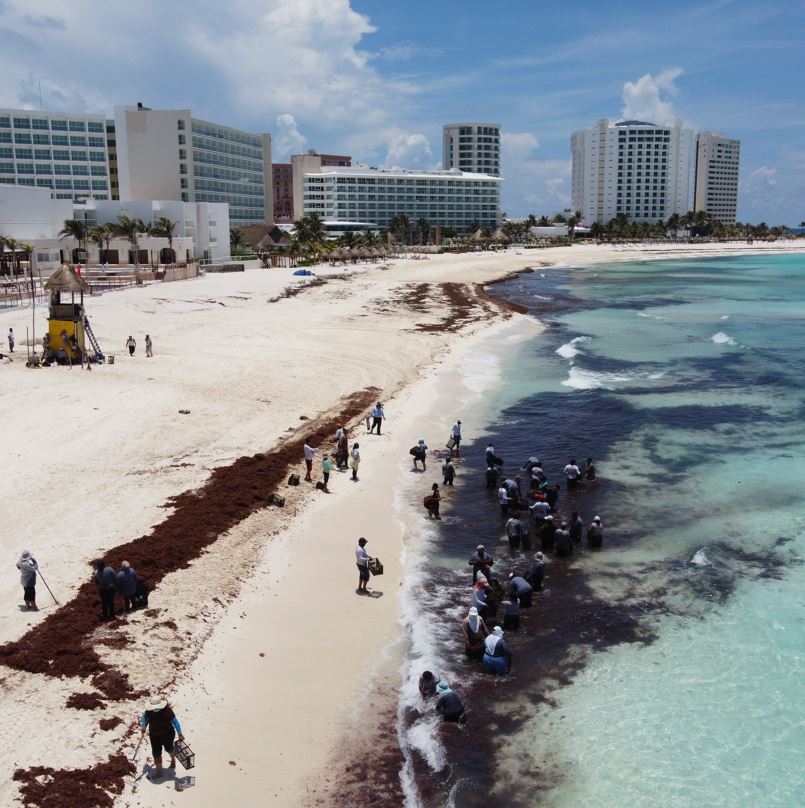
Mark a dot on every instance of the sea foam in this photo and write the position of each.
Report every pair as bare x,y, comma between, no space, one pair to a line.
570,349
723,339
581,379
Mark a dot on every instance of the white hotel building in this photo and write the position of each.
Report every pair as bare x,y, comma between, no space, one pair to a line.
63,152
472,146
717,162
639,169
377,195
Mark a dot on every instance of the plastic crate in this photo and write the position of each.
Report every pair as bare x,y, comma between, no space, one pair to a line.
375,567
184,754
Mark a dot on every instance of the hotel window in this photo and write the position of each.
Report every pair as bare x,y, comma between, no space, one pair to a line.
44,183
97,171
81,185
61,154
5,137
60,126
99,185
78,126
78,155
24,154
60,140
43,140
61,169
97,142
6,168
78,141
43,168
22,123
25,168
182,139
5,122
22,137
180,124
97,156
94,126
80,170
40,123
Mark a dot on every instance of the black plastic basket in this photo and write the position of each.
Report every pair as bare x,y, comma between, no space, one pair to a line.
375,567
184,754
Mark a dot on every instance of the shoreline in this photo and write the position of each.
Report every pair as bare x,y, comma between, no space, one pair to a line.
424,359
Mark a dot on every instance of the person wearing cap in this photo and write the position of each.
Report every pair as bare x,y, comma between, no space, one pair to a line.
342,448
449,704
327,469
595,533
546,532
571,471
420,453
521,589
309,451
363,559
355,461
455,434
497,654
537,572
479,597
563,542
27,566
127,585
378,416
475,632
481,563
163,726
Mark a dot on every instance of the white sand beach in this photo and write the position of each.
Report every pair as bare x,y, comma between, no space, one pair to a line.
261,645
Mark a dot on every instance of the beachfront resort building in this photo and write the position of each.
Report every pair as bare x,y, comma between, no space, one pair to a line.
716,186
283,182
377,195
63,152
639,169
169,154
472,147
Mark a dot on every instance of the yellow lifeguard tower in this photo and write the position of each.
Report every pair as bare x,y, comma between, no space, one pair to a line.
68,326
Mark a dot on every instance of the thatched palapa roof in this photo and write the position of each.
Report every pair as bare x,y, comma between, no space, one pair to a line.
64,279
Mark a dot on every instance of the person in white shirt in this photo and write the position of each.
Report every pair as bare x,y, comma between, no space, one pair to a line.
378,414
455,434
363,558
309,452
503,500
355,460
571,471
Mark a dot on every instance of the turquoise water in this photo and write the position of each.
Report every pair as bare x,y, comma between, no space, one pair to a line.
686,381
706,362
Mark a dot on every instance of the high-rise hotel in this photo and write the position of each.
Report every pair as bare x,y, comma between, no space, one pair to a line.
635,168
717,162
472,147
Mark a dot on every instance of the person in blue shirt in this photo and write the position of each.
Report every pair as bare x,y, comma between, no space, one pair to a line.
163,727
378,414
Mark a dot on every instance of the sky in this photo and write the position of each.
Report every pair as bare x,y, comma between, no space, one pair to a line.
377,79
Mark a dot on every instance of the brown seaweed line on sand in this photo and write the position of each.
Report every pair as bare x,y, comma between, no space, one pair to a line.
60,645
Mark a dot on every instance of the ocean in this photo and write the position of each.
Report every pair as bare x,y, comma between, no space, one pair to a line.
665,669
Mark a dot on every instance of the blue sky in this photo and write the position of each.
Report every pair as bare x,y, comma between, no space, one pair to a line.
377,79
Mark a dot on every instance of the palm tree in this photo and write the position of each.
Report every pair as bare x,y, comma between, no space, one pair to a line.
131,230
309,232
423,228
163,227
236,240
73,228
100,235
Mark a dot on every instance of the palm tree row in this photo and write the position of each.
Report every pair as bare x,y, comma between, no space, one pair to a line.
126,227
11,252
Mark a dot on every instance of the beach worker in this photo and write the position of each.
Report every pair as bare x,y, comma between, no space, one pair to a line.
131,344
448,472
552,495
497,654
563,542
521,589
11,340
449,705
588,472
427,685
491,458
355,460
455,434
595,533
378,414
546,532
537,572
572,473
127,585
163,727
503,500
491,477
475,632
27,566
514,530
480,595
576,526
511,612
420,453
106,581
327,468
363,559
539,510
309,452
536,471
342,448
431,502
481,563
149,346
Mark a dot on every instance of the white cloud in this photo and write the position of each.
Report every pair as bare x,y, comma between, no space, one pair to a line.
287,139
647,99
531,185
518,145
761,179
409,150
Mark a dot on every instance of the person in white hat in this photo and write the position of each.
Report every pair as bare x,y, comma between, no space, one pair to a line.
163,726
475,632
497,654
595,533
